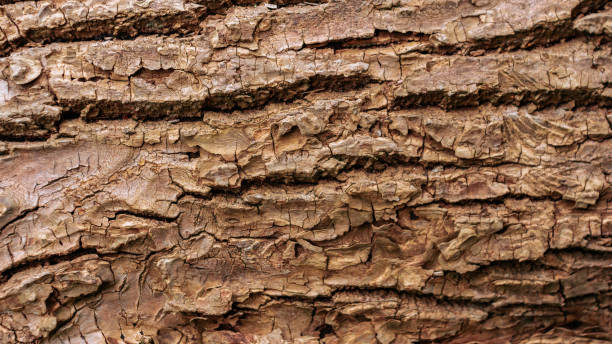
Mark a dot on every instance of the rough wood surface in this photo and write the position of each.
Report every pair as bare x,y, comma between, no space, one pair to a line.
349,171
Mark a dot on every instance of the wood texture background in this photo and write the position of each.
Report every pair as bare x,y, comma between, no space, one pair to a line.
350,171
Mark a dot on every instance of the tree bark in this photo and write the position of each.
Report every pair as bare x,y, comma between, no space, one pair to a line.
349,171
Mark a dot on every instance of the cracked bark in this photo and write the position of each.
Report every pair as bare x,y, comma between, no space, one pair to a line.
294,171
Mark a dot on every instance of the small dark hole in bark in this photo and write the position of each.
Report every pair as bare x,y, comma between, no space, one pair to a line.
324,330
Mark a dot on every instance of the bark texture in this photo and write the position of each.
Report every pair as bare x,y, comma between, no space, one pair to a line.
350,171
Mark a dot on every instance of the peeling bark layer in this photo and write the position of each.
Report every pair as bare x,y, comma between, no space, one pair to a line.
238,171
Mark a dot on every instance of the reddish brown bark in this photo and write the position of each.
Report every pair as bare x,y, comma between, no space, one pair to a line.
400,171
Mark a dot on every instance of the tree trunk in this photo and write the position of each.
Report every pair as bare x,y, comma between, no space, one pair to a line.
349,171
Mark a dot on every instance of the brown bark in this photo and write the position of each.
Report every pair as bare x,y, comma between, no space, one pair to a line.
383,171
